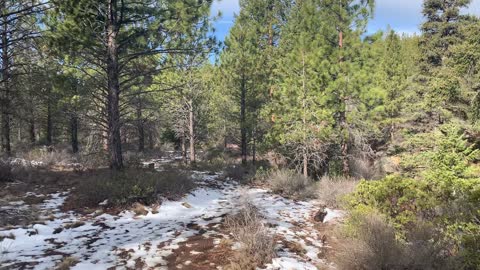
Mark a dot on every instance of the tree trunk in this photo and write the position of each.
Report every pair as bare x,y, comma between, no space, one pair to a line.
140,127
150,140
49,123
305,164
243,120
254,148
105,140
5,98
343,118
19,131
304,117
191,130
74,133
141,137
113,111
32,127
346,166
184,147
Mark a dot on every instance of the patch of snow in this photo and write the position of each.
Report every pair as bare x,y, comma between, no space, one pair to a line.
104,202
103,240
333,215
285,263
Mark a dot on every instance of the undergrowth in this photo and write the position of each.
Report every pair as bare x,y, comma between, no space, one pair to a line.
126,187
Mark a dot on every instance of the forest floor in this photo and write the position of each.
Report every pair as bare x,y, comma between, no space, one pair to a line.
188,233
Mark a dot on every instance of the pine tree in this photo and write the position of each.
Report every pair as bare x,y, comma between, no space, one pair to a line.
116,38
248,61
299,102
441,30
345,22
465,60
18,26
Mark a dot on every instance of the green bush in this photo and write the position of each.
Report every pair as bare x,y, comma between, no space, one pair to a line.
444,195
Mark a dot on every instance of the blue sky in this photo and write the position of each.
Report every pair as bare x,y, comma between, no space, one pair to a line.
404,16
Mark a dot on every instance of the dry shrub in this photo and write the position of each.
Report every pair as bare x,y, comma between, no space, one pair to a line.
133,159
257,245
49,156
94,159
212,166
74,225
372,244
292,184
238,173
129,186
331,190
5,171
139,209
67,263
17,216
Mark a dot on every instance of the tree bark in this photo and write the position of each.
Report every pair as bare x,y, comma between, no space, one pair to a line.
184,147
31,130
113,119
343,117
49,122
254,147
243,120
140,127
5,98
19,131
191,130
304,118
74,133
150,140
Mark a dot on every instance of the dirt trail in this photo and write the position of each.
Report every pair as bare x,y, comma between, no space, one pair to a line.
185,234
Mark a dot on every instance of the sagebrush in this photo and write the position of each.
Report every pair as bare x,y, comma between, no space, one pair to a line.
292,184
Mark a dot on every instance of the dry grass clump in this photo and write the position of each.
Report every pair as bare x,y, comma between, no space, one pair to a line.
292,184
18,216
74,225
139,209
257,246
49,156
122,189
5,236
331,190
67,263
373,245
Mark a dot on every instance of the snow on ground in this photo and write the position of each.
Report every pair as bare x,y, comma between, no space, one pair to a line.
101,241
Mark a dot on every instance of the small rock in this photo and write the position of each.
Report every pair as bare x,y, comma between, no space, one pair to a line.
151,166
186,205
320,215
